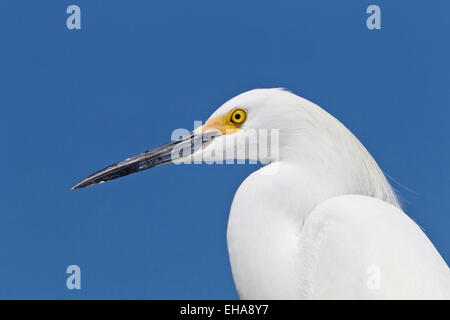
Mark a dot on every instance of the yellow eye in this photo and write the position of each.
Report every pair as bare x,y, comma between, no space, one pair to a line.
238,116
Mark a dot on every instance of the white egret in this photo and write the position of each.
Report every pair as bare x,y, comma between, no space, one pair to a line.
320,220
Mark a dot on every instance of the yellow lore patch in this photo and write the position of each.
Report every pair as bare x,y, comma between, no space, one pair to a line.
227,123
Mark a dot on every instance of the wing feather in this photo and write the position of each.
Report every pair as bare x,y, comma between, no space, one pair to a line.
360,247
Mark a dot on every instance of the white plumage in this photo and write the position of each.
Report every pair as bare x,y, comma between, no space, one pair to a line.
327,222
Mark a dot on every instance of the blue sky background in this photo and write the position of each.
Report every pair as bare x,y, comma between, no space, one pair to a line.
73,102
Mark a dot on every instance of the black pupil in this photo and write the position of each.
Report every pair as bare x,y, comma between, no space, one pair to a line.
237,116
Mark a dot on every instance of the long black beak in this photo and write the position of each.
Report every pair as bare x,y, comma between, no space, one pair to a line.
172,151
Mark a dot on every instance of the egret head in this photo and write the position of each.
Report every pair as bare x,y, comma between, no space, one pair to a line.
244,128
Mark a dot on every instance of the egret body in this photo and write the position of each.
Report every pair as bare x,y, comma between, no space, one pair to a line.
320,220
